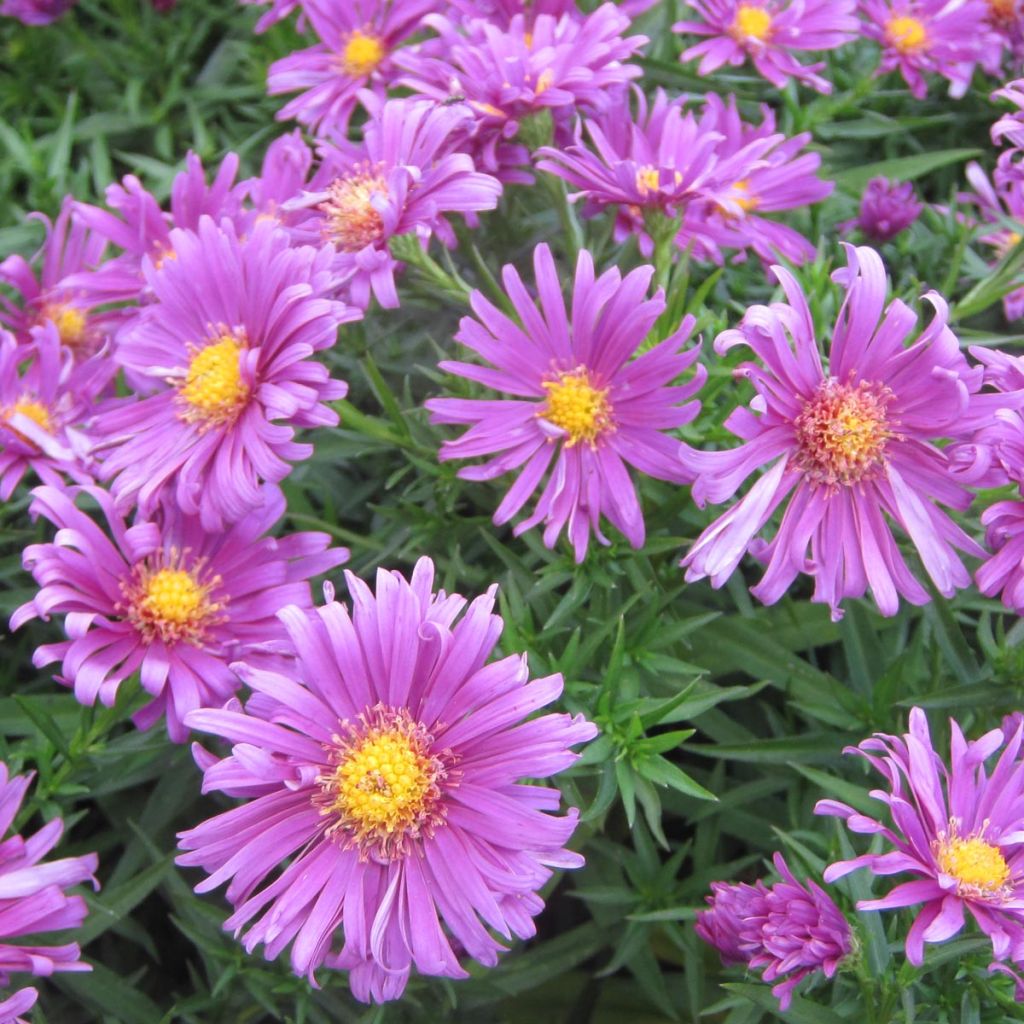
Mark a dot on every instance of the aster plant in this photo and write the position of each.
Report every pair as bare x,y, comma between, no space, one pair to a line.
387,779
584,404
166,599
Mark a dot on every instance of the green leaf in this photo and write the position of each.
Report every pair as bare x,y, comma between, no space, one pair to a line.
903,168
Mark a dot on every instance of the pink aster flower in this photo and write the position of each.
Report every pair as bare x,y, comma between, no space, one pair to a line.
919,37
1003,573
227,345
768,32
759,172
165,599
566,65
36,12
384,771
44,398
958,830
357,43
583,408
402,180
852,447
1010,127
1001,207
721,925
33,898
886,209
42,289
279,10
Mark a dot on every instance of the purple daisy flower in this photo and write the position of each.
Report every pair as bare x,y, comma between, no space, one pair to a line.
228,344
279,10
385,769
35,12
848,445
568,65
44,398
886,209
1003,573
1010,127
943,37
958,830
169,600
70,248
768,32
34,899
583,407
760,171
721,925
401,180
357,40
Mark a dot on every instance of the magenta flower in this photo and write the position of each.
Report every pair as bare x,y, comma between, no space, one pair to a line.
568,65
357,43
384,773
721,925
279,10
44,398
852,447
167,600
1003,573
759,171
919,37
34,900
227,344
958,830
583,407
768,32
401,180
70,249
886,209
35,12
1010,127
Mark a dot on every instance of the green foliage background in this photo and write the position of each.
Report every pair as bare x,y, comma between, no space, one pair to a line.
697,692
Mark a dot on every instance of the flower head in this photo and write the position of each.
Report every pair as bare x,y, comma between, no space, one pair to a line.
721,925
384,769
226,344
35,12
45,395
886,209
357,43
852,446
769,32
583,406
957,829
930,37
166,599
403,179
34,899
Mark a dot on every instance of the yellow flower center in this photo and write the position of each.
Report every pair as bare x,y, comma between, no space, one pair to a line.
842,432
577,407
743,197
1008,241
979,867
906,34
71,323
171,602
751,22
352,222
362,53
33,410
213,390
382,786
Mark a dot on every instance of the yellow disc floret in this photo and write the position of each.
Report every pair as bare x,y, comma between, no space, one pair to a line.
842,432
577,407
361,54
352,221
34,410
213,390
751,22
382,789
979,868
906,34
167,597
71,323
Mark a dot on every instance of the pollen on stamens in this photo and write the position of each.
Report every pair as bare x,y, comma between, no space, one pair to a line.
352,221
167,598
743,197
383,787
213,391
751,22
906,34
576,406
842,432
32,409
361,54
979,867
71,323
